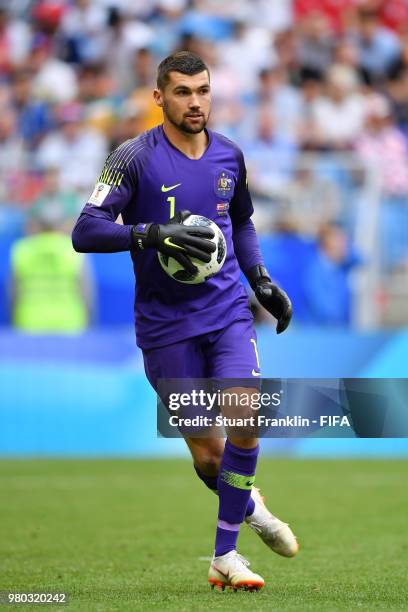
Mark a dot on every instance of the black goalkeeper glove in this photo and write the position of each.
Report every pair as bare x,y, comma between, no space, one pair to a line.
176,240
271,297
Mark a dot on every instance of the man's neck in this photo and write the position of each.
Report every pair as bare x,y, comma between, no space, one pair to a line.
192,145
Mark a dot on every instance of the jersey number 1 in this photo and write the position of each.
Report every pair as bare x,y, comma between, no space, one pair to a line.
172,201
256,352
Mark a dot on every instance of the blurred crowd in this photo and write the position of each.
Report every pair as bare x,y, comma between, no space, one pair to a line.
292,80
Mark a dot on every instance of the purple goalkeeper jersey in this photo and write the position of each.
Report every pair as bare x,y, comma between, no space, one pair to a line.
147,179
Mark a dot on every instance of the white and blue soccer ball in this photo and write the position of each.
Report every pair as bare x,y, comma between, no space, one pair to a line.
204,270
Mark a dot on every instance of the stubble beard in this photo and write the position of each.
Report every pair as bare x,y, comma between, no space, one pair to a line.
183,125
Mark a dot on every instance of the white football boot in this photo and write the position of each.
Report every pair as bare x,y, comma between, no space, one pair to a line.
275,533
231,570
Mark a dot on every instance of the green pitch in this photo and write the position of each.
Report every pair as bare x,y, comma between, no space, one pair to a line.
132,535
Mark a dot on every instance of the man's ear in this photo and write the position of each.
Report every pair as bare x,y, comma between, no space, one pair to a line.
158,98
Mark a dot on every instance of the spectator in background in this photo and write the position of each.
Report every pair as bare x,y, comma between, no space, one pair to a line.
13,157
393,13
55,81
316,44
310,200
75,149
378,46
57,201
143,68
94,83
166,24
257,43
384,148
140,98
397,86
338,115
335,12
46,16
130,123
286,47
227,112
326,280
123,37
50,284
311,87
283,100
15,37
33,116
82,30
275,16
397,90
400,63
346,54
96,94
134,9
270,157
96,98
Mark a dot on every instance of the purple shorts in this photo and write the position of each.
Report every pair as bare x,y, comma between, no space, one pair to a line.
230,352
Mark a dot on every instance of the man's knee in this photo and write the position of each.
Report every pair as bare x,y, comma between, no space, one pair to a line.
208,458
208,464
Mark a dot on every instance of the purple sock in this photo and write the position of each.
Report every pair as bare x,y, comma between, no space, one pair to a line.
212,483
235,480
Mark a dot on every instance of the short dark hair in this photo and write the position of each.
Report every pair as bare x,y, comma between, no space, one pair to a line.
182,61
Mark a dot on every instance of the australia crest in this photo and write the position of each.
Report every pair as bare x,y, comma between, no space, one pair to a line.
224,184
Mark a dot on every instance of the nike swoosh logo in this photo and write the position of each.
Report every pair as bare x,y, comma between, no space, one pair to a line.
168,242
164,189
226,576
250,483
255,373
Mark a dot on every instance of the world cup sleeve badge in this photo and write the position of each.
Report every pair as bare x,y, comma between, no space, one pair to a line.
99,194
224,184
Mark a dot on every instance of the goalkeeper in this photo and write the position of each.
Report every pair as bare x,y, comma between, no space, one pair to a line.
203,330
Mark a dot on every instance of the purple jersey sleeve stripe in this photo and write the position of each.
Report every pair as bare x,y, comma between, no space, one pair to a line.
118,163
127,147
122,156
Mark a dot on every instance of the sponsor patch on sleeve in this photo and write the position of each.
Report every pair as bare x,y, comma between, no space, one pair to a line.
222,208
99,194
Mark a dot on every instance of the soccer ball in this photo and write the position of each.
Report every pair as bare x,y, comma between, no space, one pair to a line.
204,270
